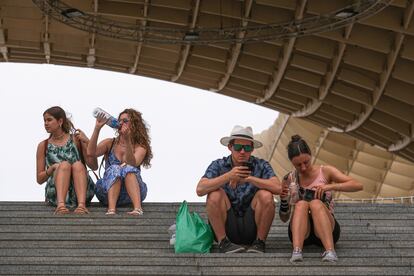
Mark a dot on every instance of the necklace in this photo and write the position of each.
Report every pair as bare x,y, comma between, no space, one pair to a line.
58,137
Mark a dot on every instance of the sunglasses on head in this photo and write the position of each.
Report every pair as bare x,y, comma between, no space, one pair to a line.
124,120
239,147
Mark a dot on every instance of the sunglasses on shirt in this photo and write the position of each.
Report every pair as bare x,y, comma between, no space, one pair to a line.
239,147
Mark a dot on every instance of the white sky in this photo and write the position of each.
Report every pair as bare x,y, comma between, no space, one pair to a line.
185,124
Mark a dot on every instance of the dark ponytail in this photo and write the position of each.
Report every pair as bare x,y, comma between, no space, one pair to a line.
297,146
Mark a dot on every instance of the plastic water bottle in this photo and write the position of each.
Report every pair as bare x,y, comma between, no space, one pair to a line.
112,121
285,198
172,240
171,231
293,193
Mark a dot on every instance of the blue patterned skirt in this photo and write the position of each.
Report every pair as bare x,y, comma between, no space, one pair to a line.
113,173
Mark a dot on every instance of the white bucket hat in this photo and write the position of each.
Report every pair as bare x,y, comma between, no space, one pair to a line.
240,132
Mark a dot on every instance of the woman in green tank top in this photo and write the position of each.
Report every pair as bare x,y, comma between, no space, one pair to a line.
59,162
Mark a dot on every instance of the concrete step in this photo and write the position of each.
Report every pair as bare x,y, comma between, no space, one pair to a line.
207,260
80,235
171,215
111,228
166,222
313,252
135,267
200,207
281,243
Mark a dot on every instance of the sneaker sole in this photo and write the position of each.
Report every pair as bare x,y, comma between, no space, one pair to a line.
296,261
254,251
237,250
329,261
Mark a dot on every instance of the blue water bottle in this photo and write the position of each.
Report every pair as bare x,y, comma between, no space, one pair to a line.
112,121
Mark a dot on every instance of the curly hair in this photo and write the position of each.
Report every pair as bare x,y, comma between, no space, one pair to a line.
139,133
58,113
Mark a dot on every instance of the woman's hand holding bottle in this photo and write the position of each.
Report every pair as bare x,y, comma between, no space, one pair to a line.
104,118
101,120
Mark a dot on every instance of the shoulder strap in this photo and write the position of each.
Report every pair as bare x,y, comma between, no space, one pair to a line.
105,157
112,145
109,151
79,149
297,177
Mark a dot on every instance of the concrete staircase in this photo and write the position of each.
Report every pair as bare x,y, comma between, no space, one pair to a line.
375,239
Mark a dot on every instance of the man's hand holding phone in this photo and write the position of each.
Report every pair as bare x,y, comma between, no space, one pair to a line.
249,166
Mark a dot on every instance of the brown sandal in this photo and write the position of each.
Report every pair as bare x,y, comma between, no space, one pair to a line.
81,210
61,210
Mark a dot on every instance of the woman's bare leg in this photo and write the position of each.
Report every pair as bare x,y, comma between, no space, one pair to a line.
300,224
62,180
80,184
323,223
113,194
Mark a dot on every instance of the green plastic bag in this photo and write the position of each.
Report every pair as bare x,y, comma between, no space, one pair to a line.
193,235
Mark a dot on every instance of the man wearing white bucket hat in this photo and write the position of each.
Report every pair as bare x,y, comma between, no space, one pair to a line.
240,189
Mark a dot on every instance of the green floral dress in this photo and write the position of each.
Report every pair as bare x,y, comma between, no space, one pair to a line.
68,152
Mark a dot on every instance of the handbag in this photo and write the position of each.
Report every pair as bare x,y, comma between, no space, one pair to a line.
193,235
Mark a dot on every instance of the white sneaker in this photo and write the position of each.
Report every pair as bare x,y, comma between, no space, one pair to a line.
296,255
329,256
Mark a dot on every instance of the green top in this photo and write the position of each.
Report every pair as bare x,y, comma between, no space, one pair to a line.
56,154
70,153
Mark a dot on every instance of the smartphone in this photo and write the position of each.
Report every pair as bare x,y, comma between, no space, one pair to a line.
249,165
309,195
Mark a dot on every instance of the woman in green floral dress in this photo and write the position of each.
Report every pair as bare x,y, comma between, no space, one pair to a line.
59,163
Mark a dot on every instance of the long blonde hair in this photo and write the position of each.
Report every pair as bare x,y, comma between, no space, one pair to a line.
139,133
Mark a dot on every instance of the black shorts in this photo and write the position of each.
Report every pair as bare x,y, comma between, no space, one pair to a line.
241,230
313,239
